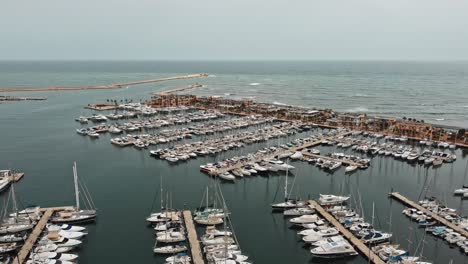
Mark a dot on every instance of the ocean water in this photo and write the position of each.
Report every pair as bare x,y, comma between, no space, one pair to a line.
39,138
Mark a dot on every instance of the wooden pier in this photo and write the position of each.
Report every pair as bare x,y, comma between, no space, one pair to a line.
435,216
23,254
369,254
195,250
99,87
16,176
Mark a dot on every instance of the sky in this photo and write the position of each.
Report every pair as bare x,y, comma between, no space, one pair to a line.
234,30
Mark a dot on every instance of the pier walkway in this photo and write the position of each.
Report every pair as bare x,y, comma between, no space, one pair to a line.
438,218
29,243
22,255
369,254
197,257
99,87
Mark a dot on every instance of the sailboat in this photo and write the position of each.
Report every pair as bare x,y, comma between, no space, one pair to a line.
288,203
15,222
77,215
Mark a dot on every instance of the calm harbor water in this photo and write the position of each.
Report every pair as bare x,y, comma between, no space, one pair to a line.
39,138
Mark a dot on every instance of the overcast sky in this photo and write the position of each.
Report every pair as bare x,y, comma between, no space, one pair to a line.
234,29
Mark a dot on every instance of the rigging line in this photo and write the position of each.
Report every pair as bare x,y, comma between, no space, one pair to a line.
88,195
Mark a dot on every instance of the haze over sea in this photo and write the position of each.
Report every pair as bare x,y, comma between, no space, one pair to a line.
39,138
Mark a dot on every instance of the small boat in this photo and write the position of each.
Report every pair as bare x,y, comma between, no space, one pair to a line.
51,248
12,238
171,237
179,259
334,250
208,220
54,255
351,168
227,176
65,227
15,228
304,219
8,247
172,249
299,211
329,199
376,237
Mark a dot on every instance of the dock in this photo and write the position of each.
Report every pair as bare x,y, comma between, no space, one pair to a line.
280,151
195,250
99,87
358,244
23,253
16,176
438,218
344,161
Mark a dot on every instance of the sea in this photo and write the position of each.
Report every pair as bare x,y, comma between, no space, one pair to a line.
39,138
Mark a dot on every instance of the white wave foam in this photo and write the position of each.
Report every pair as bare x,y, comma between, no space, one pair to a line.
440,119
254,84
357,109
360,95
278,103
211,76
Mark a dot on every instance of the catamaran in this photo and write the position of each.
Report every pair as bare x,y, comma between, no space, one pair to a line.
76,215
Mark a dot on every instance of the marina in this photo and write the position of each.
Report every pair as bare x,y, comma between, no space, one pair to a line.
346,158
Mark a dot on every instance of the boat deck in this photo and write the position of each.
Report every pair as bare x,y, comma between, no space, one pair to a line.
438,218
197,257
358,244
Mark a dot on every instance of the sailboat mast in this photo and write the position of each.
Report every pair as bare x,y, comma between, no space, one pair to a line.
286,184
13,198
161,191
77,191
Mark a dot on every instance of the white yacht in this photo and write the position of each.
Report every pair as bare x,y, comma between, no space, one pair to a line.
172,249
304,219
227,176
329,199
4,179
335,249
299,211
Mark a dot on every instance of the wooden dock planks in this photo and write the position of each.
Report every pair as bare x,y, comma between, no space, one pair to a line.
197,257
29,243
435,216
369,254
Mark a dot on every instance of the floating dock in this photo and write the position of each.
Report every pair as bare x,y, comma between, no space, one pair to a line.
369,254
195,250
100,87
438,218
